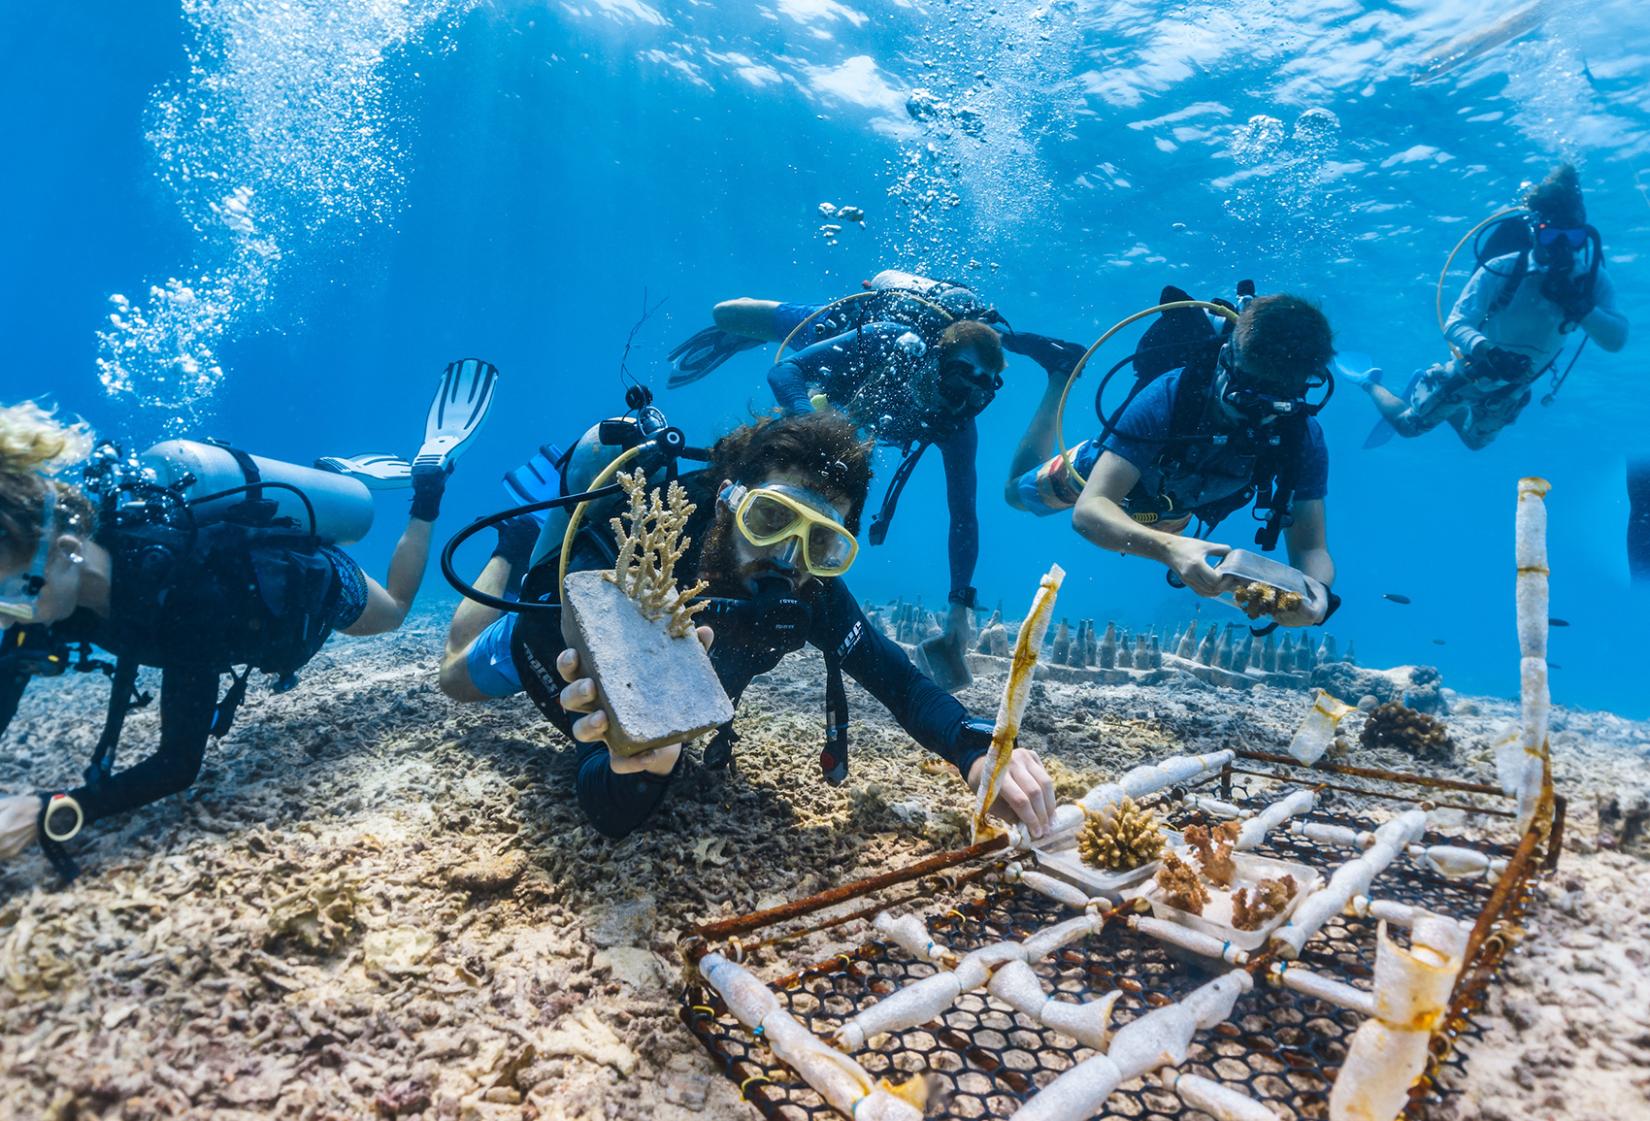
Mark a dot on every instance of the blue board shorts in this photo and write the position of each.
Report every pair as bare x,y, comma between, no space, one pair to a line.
491,667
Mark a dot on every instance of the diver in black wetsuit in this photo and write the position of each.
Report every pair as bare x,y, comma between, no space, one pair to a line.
913,362
194,586
1638,520
799,482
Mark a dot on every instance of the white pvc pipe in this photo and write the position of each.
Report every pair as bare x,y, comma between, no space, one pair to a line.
1349,881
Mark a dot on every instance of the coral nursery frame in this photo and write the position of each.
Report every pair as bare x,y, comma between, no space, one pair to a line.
1280,1048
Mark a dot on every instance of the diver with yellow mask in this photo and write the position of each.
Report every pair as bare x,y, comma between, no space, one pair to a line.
775,528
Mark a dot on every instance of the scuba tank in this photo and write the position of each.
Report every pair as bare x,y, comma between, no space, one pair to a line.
961,302
601,443
335,508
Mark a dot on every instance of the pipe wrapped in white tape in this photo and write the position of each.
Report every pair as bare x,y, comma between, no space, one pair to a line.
1324,988
1017,986
1173,934
1223,1103
910,934
1254,830
1350,880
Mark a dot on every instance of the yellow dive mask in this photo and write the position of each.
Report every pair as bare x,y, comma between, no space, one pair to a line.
768,516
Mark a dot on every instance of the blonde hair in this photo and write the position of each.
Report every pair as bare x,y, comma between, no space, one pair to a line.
34,447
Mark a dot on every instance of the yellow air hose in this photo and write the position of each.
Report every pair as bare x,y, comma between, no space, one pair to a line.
578,516
1077,370
780,353
1438,301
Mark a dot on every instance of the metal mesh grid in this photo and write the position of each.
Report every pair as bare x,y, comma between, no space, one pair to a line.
982,1059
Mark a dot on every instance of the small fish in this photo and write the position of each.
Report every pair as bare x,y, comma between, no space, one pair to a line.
1395,597
1554,665
1558,622
1438,642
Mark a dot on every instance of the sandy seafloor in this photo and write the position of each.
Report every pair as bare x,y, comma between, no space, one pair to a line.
376,902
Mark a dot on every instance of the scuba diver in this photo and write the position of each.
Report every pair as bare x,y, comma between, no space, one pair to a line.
778,508
912,362
1540,277
193,558
1218,419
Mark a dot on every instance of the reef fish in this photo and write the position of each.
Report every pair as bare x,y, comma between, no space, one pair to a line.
1438,642
1558,622
1395,597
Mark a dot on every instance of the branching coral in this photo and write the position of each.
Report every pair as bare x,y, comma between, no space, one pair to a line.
1181,886
1214,850
1414,733
1252,907
649,547
1263,599
1120,837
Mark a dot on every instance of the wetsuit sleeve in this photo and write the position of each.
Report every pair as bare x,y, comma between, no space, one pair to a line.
188,700
794,380
962,485
1605,325
932,717
1473,305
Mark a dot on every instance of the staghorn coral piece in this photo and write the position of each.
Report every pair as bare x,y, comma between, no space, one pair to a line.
1414,733
1181,885
1263,599
1252,907
649,547
1120,837
1214,850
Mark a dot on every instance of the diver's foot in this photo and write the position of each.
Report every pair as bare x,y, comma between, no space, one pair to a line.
947,658
1364,379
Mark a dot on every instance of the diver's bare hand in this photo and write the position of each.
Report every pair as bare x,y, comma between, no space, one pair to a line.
1026,793
18,815
580,695
1194,561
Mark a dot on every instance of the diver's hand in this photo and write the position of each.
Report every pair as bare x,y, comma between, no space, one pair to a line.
1313,610
1501,365
18,815
1194,560
1026,793
580,695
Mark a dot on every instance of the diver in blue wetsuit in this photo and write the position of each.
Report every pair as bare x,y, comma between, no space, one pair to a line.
912,361
798,483
1230,428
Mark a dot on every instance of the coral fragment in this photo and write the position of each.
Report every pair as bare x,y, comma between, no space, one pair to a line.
1120,837
649,547
1181,886
1214,850
1253,907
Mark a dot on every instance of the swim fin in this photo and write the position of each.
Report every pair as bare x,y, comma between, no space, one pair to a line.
704,352
1380,434
1175,339
536,480
378,472
456,414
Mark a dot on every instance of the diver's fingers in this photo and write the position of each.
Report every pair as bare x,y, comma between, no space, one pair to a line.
1043,785
579,696
592,728
707,637
1017,800
567,664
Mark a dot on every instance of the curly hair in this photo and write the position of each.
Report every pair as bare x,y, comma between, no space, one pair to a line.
34,446
1557,198
1284,340
824,447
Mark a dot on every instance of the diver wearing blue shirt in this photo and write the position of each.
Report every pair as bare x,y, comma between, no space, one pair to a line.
1200,443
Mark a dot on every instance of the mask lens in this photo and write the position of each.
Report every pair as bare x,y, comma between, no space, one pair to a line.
1550,236
828,548
767,517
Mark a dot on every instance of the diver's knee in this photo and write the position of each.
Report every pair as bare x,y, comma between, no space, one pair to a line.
454,677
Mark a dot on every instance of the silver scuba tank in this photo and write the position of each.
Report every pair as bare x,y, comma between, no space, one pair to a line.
589,457
342,505
964,303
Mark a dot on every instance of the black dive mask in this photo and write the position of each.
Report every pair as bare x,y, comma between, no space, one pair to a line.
965,388
1256,405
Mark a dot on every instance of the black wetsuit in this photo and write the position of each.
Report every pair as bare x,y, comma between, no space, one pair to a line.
194,626
748,643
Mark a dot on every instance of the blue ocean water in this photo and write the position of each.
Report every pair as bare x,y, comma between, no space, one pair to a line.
276,220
